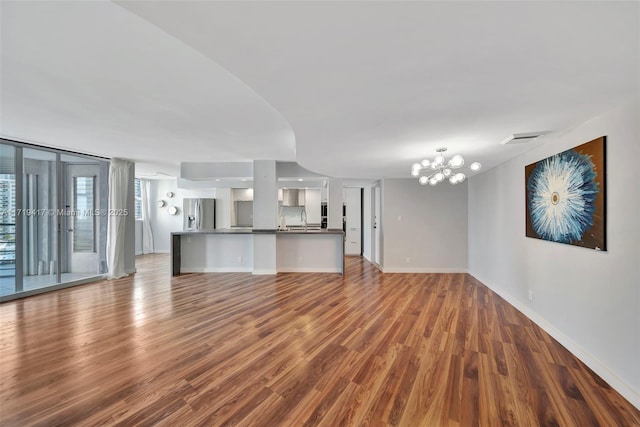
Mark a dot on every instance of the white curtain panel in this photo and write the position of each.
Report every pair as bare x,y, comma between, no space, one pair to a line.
147,233
118,191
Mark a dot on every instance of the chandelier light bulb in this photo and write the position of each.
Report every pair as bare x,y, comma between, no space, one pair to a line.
456,161
437,170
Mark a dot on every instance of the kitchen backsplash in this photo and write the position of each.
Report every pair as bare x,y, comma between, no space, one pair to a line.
293,214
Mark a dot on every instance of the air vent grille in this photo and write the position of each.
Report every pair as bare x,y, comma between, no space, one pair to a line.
522,138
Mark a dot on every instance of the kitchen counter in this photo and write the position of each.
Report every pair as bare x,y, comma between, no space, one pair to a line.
252,231
301,231
231,250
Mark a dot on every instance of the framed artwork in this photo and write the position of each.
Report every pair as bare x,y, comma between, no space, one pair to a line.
566,196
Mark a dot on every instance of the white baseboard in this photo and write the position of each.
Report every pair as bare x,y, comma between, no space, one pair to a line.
308,270
265,271
422,270
627,391
215,270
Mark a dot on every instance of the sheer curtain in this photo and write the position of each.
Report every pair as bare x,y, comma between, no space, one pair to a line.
119,171
147,233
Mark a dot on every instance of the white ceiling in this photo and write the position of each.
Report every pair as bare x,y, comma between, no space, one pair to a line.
367,88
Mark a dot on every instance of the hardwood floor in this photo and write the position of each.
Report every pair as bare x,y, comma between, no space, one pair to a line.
293,349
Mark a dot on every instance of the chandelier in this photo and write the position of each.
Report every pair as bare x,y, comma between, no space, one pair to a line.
434,171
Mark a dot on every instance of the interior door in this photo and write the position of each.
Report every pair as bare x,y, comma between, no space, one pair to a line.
81,224
376,225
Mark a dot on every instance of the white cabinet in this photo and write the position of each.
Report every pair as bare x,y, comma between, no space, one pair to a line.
242,194
353,201
312,206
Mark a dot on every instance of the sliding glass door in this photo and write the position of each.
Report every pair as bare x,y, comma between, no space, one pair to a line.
39,219
84,229
7,219
52,218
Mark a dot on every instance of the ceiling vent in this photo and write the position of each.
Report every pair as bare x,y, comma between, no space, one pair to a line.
522,138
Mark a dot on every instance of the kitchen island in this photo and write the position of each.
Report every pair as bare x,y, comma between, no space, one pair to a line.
231,250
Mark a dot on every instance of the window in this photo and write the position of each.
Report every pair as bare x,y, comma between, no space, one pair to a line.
83,218
138,196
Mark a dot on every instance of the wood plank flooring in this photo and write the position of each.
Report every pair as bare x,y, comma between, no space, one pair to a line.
289,350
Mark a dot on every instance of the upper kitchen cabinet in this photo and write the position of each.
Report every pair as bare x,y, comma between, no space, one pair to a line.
242,194
312,206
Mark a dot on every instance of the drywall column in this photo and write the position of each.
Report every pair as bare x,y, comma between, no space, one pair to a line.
334,204
265,216
223,208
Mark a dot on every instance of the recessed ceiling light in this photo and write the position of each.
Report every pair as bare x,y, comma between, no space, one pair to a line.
218,180
244,179
300,179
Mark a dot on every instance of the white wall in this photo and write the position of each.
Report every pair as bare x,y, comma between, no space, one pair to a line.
334,204
162,224
213,253
223,208
588,300
424,227
138,237
309,253
265,215
265,195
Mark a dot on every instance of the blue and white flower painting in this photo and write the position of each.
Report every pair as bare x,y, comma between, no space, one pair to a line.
562,195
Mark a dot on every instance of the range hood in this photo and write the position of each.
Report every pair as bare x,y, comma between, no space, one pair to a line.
293,197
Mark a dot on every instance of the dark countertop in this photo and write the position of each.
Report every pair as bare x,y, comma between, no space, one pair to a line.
251,231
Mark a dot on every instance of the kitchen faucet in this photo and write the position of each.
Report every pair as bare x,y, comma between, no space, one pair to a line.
303,217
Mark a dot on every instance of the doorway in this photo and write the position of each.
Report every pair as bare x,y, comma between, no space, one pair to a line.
375,244
81,224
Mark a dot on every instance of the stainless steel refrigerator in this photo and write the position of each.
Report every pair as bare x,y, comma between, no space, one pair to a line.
199,214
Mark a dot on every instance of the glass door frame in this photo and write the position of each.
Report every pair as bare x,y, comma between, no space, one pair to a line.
20,223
